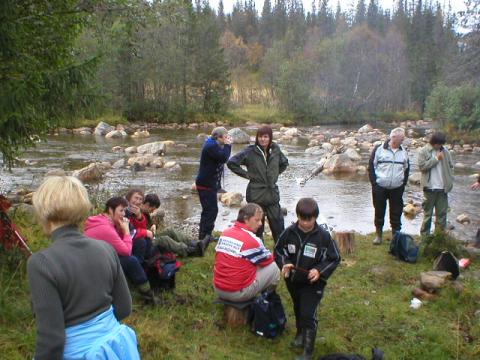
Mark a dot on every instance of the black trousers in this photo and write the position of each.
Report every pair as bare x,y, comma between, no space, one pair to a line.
275,221
133,270
142,249
380,196
306,298
209,202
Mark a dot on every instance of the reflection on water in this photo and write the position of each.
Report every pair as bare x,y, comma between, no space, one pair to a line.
344,201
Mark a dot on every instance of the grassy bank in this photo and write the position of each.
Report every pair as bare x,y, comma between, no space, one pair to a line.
366,305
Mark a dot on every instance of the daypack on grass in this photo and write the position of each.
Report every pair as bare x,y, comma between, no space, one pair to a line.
446,261
267,316
403,247
161,270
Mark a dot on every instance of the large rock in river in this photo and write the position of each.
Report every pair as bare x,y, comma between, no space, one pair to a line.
365,129
231,199
154,148
353,154
103,129
90,173
239,136
339,163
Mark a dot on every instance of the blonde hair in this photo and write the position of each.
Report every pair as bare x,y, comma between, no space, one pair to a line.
61,200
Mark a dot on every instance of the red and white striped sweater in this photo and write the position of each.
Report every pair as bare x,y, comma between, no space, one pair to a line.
238,253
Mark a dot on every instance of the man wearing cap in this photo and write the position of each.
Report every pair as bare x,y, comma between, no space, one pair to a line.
215,153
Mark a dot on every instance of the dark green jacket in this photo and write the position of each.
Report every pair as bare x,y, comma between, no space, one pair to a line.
262,172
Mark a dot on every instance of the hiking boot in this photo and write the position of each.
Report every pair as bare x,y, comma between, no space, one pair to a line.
378,237
298,341
308,344
193,249
147,295
203,244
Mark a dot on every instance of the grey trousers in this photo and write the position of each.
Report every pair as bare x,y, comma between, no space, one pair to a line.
266,276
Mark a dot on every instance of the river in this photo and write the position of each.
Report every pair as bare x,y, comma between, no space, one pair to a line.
344,201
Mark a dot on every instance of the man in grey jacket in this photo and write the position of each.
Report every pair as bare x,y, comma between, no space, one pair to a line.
436,166
388,171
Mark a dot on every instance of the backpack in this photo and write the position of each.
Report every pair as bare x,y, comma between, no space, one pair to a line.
161,269
446,261
267,316
403,247
377,354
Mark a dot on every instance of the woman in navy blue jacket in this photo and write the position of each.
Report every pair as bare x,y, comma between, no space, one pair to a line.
215,153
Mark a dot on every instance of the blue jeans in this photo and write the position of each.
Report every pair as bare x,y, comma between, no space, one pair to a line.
133,270
208,199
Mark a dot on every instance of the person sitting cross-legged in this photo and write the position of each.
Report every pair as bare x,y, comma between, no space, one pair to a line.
243,266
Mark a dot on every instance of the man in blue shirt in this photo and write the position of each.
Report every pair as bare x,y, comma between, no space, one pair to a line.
215,153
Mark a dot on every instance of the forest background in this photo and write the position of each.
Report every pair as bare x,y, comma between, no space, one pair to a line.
174,60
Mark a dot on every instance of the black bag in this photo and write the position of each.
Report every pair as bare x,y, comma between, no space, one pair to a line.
403,247
267,316
161,269
377,354
446,261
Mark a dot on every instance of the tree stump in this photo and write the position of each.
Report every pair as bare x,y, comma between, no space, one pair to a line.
346,241
235,317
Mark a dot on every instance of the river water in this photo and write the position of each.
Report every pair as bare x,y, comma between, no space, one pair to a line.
345,201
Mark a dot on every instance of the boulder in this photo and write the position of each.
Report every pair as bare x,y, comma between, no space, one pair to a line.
292,132
339,163
239,136
56,172
353,154
169,164
117,149
142,160
231,199
335,141
131,150
119,164
434,280
463,219
154,148
410,210
327,147
349,142
83,131
103,129
415,178
141,134
362,170
157,163
90,173
460,166
315,150
116,134
476,165
365,129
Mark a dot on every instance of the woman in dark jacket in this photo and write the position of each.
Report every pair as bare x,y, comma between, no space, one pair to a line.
264,162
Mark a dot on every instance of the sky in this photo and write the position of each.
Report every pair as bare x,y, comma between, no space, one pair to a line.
457,5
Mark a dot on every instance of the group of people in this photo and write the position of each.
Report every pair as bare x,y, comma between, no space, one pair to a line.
79,286
389,168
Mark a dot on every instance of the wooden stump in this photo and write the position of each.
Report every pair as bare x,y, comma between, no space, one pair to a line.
346,241
234,316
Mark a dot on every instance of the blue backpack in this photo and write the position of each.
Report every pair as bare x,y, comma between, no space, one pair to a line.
403,247
267,316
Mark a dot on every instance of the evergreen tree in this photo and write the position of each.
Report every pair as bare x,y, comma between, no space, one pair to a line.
360,14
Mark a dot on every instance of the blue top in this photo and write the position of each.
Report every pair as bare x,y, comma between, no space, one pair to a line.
212,159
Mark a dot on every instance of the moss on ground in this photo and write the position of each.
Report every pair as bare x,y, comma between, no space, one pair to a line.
366,304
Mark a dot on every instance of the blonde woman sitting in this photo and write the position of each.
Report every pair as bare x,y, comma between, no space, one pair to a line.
79,292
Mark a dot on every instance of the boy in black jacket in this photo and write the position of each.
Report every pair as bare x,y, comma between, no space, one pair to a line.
307,256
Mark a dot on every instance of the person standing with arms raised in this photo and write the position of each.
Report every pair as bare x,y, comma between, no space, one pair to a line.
388,171
264,162
215,153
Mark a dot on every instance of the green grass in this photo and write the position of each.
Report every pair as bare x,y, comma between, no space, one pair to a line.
366,304
110,119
